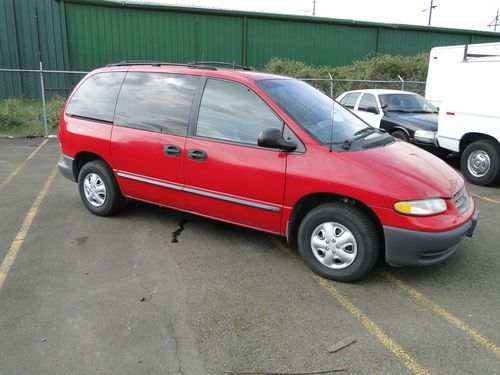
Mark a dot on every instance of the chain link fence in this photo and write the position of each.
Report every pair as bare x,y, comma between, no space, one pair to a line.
335,87
31,100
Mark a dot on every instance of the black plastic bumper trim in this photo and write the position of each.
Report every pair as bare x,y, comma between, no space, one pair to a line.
405,247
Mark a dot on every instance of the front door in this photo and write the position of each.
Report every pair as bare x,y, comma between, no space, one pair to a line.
227,176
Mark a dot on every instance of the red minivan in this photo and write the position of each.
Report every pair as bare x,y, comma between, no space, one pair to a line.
266,152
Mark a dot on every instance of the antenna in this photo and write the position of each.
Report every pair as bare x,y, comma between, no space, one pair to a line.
494,23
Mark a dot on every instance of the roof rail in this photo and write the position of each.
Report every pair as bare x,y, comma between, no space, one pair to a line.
232,65
158,63
468,55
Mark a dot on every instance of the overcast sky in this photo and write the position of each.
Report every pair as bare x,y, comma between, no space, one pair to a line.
462,14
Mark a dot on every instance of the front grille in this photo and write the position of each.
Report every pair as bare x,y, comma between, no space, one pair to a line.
461,200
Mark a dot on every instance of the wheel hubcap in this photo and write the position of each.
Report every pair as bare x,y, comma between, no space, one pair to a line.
334,245
94,189
478,163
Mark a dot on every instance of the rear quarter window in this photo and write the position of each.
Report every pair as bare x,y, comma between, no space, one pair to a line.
349,101
96,97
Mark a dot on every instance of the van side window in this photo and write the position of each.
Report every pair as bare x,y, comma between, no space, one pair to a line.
349,101
96,98
156,102
233,112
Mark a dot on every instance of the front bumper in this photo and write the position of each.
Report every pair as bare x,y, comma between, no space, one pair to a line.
405,247
66,168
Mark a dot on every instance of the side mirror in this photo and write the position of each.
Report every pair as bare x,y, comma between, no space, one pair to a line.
372,110
272,138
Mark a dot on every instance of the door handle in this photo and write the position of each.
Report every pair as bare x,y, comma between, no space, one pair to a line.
197,155
172,151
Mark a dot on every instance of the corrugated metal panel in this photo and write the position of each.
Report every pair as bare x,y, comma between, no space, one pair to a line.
483,39
50,34
407,43
9,54
313,43
19,46
102,35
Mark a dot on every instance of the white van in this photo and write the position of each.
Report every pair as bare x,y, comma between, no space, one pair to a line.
464,82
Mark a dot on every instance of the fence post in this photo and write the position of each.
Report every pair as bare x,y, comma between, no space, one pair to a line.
44,107
402,83
331,85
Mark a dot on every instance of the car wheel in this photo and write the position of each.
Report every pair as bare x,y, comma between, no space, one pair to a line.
399,134
480,162
98,189
338,241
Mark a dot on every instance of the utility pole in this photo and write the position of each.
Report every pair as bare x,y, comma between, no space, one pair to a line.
430,11
494,23
314,7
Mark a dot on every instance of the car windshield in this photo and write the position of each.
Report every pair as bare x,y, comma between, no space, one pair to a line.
407,103
312,110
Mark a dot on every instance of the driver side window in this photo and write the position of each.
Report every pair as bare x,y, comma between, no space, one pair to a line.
232,112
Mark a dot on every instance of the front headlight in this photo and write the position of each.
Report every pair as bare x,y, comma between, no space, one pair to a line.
425,135
424,207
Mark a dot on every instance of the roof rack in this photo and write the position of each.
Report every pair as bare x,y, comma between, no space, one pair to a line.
468,55
158,63
232,65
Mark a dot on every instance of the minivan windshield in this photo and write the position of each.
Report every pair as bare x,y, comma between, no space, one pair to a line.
312,110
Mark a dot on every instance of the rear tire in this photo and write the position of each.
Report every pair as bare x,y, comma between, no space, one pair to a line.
338,241
99,190
399,134
480,162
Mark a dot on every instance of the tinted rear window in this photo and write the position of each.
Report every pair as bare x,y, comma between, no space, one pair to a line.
96,97
156,102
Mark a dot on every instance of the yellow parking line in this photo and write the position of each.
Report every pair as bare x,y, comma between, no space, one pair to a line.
21,166
396,349
449,317
23,231
485,198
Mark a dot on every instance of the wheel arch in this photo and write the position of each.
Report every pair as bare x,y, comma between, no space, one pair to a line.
311,201
400,128
83,158
468,138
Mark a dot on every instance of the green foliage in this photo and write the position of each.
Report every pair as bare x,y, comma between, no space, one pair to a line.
377,68
24,117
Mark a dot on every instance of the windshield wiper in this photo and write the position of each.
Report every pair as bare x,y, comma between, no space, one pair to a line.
364,130
360,134
422,111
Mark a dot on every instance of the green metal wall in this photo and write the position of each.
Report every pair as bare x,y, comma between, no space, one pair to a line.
85,34
314,43
19,45
113,34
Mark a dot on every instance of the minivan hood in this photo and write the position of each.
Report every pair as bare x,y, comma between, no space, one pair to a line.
408,171
426,121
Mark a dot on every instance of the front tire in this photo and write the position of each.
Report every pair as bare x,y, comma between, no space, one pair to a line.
399,134
98,189
480,162
338,241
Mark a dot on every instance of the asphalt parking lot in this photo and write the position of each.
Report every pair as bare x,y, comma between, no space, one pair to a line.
81,294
